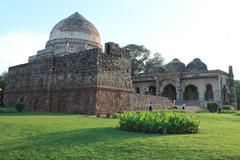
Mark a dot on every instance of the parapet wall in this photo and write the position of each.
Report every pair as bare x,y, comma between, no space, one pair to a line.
141,102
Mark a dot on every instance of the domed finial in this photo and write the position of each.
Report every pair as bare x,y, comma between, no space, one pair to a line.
197,59
76,15
175,59
197,66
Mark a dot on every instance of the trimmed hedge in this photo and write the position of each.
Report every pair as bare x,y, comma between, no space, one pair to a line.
19,107
163,122
7,110
237,113
226,107
116,115
176,110
212,107
228,111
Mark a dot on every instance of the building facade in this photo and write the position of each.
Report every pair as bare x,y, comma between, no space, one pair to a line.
193,84
74,74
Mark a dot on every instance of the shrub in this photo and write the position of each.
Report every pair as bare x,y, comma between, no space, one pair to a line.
237,113
202,110
19,107
228,111
212,107
226,107
116,115
2,104
163,122
177,110
7,110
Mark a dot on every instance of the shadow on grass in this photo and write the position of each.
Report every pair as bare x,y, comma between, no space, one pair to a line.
87,143
80,137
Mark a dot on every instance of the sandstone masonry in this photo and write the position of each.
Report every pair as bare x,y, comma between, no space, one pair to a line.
89,82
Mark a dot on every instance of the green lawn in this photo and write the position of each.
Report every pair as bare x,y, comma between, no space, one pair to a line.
70,136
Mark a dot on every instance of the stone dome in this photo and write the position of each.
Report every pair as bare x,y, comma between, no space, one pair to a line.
175,66
157,68
196,66
76,27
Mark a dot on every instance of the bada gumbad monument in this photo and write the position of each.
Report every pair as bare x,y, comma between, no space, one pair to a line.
74,74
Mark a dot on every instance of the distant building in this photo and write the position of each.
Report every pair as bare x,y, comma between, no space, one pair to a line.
193,84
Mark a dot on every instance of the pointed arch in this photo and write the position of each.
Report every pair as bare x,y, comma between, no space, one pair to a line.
191,93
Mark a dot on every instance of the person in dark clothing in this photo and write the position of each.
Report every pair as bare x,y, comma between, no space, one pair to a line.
150,108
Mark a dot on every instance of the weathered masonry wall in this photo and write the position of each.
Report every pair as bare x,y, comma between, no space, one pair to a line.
115,92
114,84
57,84
89,82
141,102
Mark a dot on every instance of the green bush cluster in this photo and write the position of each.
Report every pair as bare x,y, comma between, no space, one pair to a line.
19,107
237,113
7,110
163,122
116,115
1,104
226,107
212,106
176,110
202,110
228,111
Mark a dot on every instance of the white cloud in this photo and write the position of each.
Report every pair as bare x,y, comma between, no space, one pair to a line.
15,48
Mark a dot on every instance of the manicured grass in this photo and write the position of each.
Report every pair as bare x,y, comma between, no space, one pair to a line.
70,136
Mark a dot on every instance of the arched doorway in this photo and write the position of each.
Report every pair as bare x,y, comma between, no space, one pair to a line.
191,93
137,90
209,93
152,90
170,92
225,95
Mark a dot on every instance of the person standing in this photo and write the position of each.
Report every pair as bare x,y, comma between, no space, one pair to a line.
150,107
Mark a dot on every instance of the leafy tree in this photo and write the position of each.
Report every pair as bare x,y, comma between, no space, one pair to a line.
156,59
3,80
139,55
140,58
237,88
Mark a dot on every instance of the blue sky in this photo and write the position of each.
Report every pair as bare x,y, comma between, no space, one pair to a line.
208,29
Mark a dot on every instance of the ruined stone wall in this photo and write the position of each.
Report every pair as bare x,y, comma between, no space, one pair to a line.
74,82
28,82
89,82
114,84
58,84
141,102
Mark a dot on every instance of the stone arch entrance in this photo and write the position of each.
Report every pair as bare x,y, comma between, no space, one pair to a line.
137,90
191,93
209,93
225,95
170,92
152,90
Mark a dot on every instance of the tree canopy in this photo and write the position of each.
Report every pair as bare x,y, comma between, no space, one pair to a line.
237,88
3,80
141,61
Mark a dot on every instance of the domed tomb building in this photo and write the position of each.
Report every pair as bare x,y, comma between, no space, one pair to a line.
73,74
70,35
192,85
